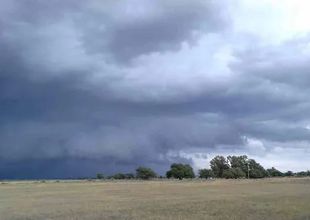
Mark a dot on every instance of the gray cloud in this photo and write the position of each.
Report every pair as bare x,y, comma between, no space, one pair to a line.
150,27
110,87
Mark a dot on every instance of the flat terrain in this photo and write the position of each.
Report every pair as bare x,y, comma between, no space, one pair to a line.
285,198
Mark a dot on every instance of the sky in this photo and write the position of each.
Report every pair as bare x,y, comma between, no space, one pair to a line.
106,86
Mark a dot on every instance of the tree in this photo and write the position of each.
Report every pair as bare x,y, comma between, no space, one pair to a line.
228,174
100,176
119,176
180,171
238,173
206,173
273,172
218,165
303,173
129,176
145,173
239,162
289,173
233,173
256,170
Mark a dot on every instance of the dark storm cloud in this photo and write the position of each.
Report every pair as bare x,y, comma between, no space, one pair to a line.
150,27
120,31
88,87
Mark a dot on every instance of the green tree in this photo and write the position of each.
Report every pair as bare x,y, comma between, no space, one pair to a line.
100,176
239,162
289,173
233,173
129,176
206,173
218,165
256,170
119,176
180,171
228,174
273,172
145,173
301,173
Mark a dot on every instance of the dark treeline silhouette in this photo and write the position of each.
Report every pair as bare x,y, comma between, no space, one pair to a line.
231,167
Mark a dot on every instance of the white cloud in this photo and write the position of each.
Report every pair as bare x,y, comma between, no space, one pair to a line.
274,21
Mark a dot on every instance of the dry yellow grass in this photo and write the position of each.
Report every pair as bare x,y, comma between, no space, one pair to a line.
286,198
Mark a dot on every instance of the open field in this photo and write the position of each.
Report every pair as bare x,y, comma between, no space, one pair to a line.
286,198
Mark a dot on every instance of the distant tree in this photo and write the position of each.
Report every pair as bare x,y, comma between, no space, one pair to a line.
180,171
239,162
206,173
228,174
218,165
238,173
256,170
129,176
273,172
303,173
100,176
234,173
119,176
145,173
289,173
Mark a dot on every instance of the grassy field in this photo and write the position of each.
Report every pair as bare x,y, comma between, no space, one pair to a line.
286,198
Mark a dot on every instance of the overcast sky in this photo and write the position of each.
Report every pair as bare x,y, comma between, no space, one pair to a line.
105,86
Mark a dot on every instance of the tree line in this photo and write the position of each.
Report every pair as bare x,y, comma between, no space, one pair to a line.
231,167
